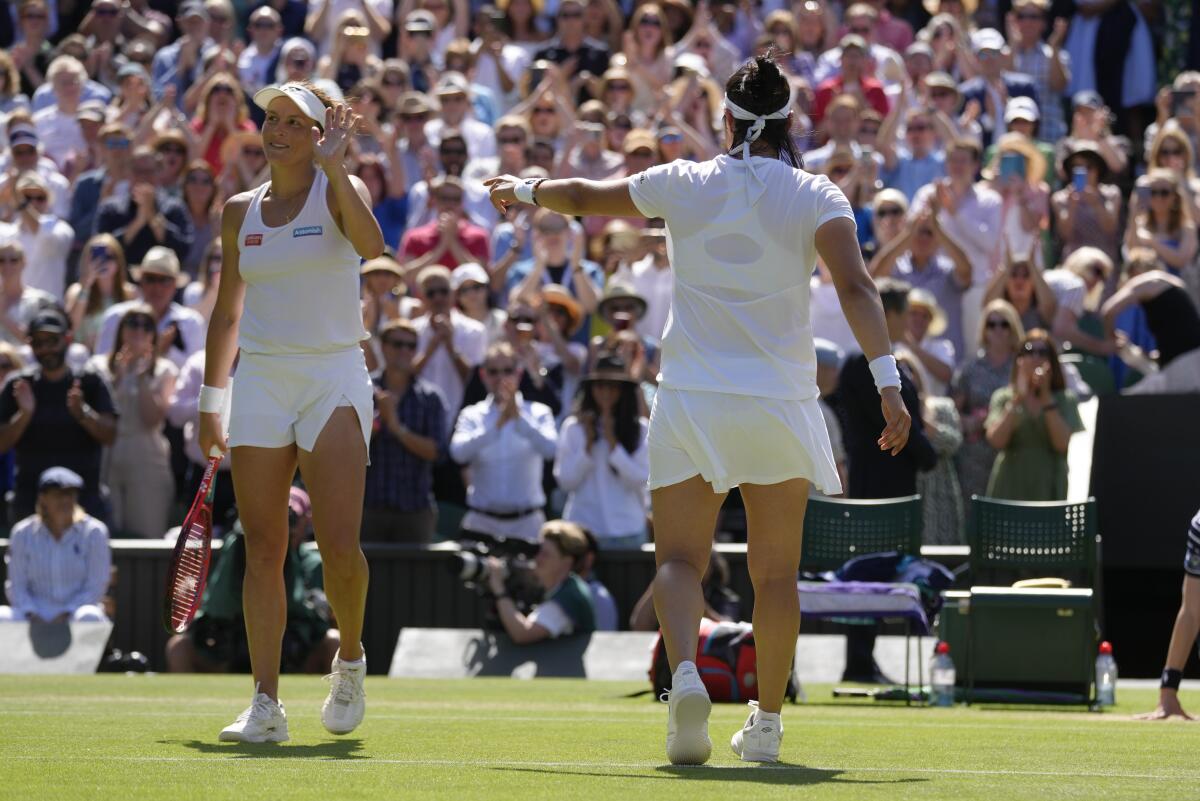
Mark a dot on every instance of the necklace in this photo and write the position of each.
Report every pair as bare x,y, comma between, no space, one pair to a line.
296,209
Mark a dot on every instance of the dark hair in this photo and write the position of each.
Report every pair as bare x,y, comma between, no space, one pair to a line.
625,413
1058,380
893,294
758,86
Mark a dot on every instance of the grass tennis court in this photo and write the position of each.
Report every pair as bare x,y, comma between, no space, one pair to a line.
154,737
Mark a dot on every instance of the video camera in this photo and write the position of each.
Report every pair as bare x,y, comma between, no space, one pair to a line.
471,566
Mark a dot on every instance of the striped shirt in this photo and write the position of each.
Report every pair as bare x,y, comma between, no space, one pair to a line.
397,478
47,577
1035,62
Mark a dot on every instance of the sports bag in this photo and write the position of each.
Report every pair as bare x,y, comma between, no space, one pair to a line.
726,660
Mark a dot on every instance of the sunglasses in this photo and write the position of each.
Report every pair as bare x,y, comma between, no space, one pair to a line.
918,127
1171,151
437,291
39,17
400,344
543,110
863,32
140,324
421,117
35,198
624,125
105,11
993,325
943,93
453,151
421,34
1031,349
10,259
471,288
1161,192
522,318
1029,16
890,211
495,372
651,22
298,62
154,278
6,365
199,179
671,138
263,24
619,86
45,342
117,143
394,82
510,140
570,15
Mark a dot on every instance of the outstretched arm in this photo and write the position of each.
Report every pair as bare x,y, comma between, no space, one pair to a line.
573,196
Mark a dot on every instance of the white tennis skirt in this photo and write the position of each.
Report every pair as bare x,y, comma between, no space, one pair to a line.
281,399
738,439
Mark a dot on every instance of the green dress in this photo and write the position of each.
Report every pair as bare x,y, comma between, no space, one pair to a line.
1029,469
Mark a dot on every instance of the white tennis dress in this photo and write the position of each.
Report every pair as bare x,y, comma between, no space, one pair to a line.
737,401
300,328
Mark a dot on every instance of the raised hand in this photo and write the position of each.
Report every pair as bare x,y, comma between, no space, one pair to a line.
75,399
23,394
329,149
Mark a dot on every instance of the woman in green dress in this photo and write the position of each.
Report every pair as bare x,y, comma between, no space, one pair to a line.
1030,423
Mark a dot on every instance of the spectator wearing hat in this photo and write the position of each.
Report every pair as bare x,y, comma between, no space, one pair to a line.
571,46
179,63
927,258
25,154
1043,61
603,463
499,62
915,162
852,78
412,147
931,354
651,278
450,238
91,115
558,258
1089,217
504,440
1016,171
180,329
216,641
941,90
829,366
453,93
133,99
323,16
256,63
408,436
1090,121
451,344
568,607
45,239
109,177
137,466
1021,116
19,302
416,49
59,563
994,85
55,416
472,286
450,159
148,215
384,294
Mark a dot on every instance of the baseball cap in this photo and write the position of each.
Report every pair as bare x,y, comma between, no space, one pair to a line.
59,478
299,502
31,179
302,96
420,20
639,138
193,8
1021,108
51,320
414,103
452,83
942,80
93,109
853,40
469,271
987,39
1087,98
23,135
130,68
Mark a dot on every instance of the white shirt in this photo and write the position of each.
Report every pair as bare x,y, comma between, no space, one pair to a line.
253,66
739,318
828,319
505,461
385,8
976,226
515,59
60,135
183,410
46,251
47,577
941,349
470,341
1068,288
605,486
481,140
476,203
192,329
655,285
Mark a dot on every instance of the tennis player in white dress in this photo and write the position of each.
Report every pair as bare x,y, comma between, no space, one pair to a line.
289,302
737,404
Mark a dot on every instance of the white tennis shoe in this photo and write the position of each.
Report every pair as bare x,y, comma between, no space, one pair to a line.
347,701
759,739
688,706
264,721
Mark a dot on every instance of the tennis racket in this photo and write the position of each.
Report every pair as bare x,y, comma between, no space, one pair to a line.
189,562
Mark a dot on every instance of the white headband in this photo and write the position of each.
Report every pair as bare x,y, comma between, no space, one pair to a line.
755,130
309,103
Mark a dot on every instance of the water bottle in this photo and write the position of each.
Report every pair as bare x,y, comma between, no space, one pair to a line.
1106,676
941,676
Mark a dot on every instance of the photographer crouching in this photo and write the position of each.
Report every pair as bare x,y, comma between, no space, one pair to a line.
567,606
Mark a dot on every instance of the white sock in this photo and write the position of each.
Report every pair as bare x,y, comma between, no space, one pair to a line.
769,717
353,662
686,665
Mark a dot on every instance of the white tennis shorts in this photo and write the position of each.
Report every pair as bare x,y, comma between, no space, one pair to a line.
738,439
281,399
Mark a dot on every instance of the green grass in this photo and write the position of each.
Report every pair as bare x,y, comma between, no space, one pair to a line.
154,737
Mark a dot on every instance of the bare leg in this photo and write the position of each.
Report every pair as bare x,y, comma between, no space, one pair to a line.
685,515
335,474
1183,636
261,479
775,520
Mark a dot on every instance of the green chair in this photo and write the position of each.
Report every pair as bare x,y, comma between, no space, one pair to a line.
837,530
1031,643
1094,370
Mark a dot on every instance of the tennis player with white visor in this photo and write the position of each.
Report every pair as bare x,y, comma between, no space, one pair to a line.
289,301
737,404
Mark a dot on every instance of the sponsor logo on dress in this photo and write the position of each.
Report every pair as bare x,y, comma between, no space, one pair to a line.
307,230
253,239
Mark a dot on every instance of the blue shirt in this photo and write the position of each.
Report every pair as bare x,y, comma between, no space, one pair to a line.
560,275
910,174
396,478
392,215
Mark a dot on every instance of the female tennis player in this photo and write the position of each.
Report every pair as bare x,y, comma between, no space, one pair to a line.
289,300
737,404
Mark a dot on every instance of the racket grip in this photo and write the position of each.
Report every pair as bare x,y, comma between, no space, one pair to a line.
215,452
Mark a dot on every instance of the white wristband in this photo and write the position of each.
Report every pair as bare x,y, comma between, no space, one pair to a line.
885,372
524,192
212,399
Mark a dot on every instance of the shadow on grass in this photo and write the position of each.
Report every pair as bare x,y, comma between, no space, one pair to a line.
334,749
780,773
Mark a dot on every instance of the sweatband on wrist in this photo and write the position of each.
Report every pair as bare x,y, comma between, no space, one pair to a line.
885,372
212,399
1171,679
524,191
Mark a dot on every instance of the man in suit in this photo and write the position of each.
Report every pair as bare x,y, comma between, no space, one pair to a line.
993,87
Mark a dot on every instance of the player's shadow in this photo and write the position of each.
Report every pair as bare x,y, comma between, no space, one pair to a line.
781,773
333,749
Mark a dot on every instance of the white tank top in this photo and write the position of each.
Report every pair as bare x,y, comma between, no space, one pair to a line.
302,280
739,319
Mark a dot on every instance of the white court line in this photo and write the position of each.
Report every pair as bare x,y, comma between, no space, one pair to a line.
237,756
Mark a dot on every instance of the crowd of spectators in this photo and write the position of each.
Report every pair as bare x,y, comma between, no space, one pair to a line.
1023,173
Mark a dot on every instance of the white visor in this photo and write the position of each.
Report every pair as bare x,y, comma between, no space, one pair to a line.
308,102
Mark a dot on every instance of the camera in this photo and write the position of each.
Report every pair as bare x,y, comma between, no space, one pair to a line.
520,584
